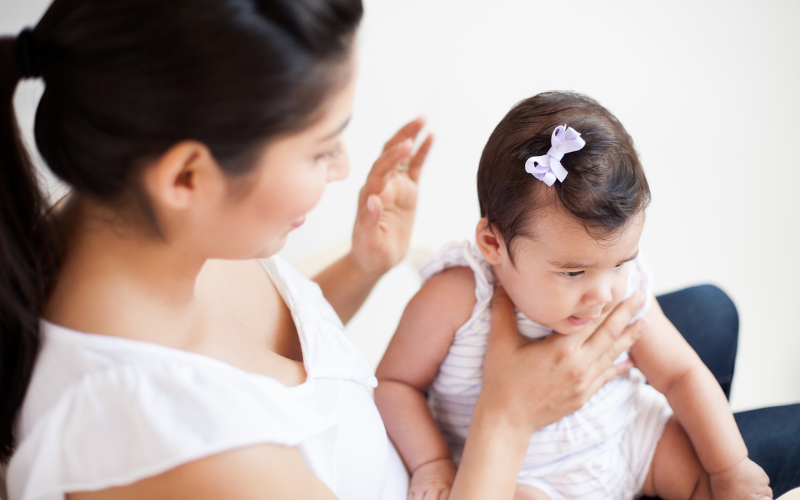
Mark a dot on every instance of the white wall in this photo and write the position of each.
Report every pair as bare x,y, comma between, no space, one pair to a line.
707,90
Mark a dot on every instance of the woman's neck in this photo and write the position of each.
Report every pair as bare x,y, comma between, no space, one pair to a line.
117,280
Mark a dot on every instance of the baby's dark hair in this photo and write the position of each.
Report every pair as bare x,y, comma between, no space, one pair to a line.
605,186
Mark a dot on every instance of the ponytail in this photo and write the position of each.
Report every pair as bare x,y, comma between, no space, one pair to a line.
27,254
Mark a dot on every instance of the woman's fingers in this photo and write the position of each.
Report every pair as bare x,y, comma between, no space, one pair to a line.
503,331
606,376
614,326
415,167
409,131
390,159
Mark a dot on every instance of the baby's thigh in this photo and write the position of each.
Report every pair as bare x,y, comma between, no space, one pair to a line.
525,492
676,472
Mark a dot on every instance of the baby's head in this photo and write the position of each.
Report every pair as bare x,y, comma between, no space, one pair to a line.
561,251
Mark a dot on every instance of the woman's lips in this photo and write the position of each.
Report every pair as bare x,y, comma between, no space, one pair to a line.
299,222
576,321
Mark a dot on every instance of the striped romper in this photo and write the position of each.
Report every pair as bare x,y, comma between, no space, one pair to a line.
602,451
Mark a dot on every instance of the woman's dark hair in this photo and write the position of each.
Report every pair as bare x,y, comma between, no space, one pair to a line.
605,185
124,81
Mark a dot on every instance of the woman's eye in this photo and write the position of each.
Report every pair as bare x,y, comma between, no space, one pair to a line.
329,155
572,274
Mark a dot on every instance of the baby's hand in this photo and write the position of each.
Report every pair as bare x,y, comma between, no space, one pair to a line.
746,480
433,480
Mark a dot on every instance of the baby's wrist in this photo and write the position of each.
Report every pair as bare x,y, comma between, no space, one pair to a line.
432,462
725,469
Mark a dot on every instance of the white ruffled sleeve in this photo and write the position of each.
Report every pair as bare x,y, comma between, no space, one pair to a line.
640,279
134,421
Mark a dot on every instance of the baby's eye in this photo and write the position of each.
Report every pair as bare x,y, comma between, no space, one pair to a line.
571,274
619,266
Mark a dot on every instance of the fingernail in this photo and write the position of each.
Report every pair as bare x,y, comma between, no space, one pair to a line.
639,299
642,325
370,205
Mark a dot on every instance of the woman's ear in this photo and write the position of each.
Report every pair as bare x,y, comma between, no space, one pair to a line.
490,242
179,176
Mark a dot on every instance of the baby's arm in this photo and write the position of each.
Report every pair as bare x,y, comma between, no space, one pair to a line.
411,362
700,406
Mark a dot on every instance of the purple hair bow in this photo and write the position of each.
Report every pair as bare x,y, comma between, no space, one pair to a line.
547,168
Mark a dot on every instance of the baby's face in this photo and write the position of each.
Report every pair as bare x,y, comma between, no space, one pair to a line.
563,278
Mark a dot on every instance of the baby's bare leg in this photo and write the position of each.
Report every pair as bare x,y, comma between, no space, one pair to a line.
676,472
525,492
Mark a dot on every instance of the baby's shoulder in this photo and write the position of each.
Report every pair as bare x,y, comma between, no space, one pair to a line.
452,285
448,297
456,278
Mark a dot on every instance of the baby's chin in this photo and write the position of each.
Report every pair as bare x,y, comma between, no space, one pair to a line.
566,328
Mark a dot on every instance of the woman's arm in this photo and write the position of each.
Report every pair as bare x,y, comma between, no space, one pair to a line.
252,473
386,208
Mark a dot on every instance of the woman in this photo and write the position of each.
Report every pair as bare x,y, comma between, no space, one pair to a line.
146,354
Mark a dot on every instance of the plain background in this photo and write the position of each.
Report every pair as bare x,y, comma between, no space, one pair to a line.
707,89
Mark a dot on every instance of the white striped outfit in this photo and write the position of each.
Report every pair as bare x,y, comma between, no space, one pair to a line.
602,451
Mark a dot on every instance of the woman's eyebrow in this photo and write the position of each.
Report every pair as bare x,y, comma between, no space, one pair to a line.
337,131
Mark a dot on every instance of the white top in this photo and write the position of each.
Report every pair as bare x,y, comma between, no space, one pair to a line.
103,411
455,388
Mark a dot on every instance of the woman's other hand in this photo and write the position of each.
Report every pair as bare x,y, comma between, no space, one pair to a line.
534,384
388,201
529,385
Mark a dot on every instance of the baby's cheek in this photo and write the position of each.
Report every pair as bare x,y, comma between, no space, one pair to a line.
617,299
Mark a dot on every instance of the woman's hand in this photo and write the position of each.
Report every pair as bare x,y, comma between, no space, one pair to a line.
533,384
388,201
386,207
529,385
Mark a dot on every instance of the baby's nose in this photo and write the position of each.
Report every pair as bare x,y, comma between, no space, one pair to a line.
599,295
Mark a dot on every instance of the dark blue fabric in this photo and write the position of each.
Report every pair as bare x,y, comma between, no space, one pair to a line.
707,318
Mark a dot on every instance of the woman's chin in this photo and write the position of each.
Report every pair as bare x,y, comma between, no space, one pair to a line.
269,249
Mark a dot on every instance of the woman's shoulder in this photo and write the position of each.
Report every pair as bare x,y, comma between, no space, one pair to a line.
92,396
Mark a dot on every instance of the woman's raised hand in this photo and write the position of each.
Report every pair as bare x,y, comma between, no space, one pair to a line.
388,201
535,384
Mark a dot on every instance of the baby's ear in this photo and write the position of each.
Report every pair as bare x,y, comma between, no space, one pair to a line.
490,242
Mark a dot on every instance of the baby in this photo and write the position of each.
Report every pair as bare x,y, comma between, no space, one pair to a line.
562,196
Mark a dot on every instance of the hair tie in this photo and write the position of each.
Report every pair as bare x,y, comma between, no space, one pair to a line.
547,168
24,52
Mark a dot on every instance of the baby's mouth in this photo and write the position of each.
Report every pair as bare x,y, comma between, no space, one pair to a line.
576,321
